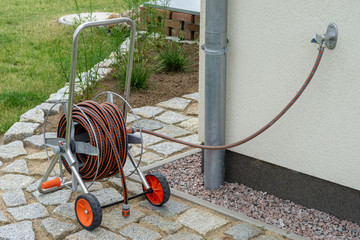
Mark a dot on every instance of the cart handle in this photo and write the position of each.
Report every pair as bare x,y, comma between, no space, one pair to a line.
73,68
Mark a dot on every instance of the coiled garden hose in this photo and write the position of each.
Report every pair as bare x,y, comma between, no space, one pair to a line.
257,133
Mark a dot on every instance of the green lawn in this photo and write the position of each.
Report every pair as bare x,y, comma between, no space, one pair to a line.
35,51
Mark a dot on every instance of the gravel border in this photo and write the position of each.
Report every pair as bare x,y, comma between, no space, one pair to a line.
185,175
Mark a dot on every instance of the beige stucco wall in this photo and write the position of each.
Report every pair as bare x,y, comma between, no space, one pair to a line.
269,58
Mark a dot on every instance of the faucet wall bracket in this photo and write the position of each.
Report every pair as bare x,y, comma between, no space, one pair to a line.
329,38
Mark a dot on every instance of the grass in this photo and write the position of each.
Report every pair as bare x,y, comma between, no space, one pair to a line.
35,51
172,58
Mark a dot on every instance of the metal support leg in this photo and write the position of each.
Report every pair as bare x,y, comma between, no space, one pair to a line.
141,175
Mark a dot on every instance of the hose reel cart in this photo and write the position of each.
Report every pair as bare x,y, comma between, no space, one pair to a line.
93,143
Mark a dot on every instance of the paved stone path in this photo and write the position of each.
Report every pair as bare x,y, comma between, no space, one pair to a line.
27,214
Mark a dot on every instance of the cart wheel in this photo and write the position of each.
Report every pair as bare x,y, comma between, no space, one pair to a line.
88,211
160,187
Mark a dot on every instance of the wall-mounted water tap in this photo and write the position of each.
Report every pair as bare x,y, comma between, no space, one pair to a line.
329,38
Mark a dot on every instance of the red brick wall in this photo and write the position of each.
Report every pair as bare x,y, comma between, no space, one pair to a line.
177,24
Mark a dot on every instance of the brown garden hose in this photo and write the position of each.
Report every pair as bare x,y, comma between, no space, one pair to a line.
263,129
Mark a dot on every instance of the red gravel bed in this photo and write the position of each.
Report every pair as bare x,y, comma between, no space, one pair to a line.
185,175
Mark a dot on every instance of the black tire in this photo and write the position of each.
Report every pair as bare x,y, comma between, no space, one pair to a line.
161,189
88,211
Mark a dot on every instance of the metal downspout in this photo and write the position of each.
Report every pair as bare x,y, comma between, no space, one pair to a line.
215,76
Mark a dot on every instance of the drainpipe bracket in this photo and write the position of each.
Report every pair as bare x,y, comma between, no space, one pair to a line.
221,51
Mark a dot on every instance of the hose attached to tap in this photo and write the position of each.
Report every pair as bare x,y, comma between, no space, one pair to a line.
261,130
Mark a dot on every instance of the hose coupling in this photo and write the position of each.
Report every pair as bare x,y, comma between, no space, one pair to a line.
126,210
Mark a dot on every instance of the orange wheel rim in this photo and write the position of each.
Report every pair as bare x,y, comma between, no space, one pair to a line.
157,196
84,212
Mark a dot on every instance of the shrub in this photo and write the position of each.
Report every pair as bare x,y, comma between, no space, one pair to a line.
173,58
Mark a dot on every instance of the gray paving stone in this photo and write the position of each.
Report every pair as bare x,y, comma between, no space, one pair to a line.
128,167
12,150
98,234
30,212
192,139
159,223
182,236
130,119
34,115
171,117
50,108
148,112
39,156
193,96
12,181
149,158
94,187
107,195
114,219
201,221
243,231
18,166
16,231
175,104
14,198
191,124
37,141
53,198
66,210
149,140
3,218
169,209
133,187
136,151
150,125
20,131
56,97
57,229
192,109
173,131
136,232
167,148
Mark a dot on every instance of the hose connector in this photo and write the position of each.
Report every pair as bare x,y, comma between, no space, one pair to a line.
126,210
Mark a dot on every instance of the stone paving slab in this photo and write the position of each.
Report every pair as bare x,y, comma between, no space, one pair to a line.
14,198
243,231
149,158
20,131
28,212
183,235
177,103
193,96
13,181
34,115
150,125
192,109
114,219
98,233
191,124
66,211
50,108
149,140
136,232
16,231
159,223
37,141
173,131
18,166
133,187
170,209
39,156
148,111
270,236
167,148
192,139
12,150
57,229
201,221
170,117
107,195
53,198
